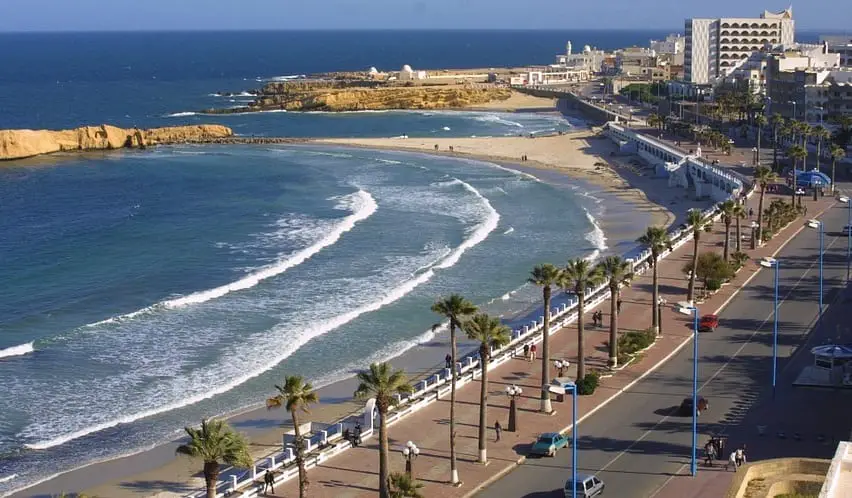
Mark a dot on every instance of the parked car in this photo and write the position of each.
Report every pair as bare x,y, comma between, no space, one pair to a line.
548,444
587,487
708,323
686,406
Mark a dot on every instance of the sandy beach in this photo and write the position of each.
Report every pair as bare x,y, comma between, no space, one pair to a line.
518,102
579,158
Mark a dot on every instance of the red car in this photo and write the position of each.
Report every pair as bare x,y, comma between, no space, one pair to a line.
708,323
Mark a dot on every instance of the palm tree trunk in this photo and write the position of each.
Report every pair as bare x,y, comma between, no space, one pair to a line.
211,477
300,455
613,325
546,407
759,219
655,295
690,293
727,239
581,357
795,186
483,401
833,164
739,235
454,471
383,453
757,158
819,146
775,150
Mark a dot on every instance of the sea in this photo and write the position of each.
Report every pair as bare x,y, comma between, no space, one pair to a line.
144,290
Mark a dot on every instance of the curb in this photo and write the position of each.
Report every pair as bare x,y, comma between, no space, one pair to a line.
496,477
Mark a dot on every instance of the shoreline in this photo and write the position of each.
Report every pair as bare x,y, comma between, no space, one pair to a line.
159,464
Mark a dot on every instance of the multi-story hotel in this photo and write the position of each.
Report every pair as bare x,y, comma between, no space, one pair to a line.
716,48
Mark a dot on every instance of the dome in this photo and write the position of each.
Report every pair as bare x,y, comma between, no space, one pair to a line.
407,69
587,49
373,70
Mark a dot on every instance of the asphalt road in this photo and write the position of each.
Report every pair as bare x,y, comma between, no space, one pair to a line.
636,444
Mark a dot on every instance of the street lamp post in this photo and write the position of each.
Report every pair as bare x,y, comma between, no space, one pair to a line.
774,263
694,462
513,392
660,303
794,107
410,451
821,226
573,388
848,230
561,365
754,152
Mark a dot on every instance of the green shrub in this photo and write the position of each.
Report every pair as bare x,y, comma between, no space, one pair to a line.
631,342
713,284
588,384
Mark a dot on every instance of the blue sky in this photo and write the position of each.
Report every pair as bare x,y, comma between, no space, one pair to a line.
99,15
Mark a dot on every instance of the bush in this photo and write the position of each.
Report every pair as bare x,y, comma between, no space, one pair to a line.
713,284
588,384
631,342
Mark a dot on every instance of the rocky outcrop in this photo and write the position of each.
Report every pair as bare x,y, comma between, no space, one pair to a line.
338,96
17,144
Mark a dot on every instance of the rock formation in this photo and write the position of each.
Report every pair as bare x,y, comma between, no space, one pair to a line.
335,95
17,144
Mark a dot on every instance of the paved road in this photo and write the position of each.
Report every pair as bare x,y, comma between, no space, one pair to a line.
636,444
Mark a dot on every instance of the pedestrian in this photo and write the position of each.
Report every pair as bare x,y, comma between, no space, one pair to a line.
527,352
356,440
498,429
448,361
269,481
740,456
750,213
709,453
533,351
732,461
618,306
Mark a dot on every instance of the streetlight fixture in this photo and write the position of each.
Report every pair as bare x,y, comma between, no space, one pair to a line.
660,303
410,451
848,230
794,107
694,462
774,263
821,111
821,227
754,231
513,392
561,365
754,155
573,388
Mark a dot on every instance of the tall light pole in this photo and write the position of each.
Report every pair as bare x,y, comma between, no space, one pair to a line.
848,230
694,462
821,227
794,107
774,263
513,392
410,451
573,387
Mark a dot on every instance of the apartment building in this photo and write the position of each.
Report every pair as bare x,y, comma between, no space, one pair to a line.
807,83
841,45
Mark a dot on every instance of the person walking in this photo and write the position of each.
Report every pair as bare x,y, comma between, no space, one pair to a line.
618,306
527,352
448,361
709,453
732,461
740,456
533,351
269,481
498,429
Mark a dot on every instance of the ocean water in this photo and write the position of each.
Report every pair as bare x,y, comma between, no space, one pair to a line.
144,290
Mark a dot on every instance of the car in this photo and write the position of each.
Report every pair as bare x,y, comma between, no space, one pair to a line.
548,444
587,486
708,323
847,229
686,406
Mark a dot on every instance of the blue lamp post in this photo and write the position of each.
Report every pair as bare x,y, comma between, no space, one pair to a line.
821,227
573,388
694,462
773,263
848,230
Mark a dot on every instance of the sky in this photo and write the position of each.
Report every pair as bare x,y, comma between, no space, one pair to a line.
124,15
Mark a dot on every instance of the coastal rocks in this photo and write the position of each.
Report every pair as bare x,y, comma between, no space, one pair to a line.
339,96
17,144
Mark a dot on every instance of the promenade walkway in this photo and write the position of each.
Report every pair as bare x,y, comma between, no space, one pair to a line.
355,472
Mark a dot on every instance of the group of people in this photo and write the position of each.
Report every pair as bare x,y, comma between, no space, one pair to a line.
530,351
597,318
524,157
716,446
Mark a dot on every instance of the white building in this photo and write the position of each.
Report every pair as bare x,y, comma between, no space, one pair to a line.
408,74
673,46
714,48
589,59
841,45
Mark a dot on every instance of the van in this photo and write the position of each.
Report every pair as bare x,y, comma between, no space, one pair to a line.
587,487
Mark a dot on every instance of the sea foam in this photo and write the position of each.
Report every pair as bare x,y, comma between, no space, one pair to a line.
18,350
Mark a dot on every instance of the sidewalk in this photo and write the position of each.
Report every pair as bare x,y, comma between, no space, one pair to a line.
355,472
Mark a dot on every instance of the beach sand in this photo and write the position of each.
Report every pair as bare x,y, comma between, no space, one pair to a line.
634,200
518,102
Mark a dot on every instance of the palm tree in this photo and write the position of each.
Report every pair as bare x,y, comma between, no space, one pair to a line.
403,486
760,121
383,383
727,208
820,134
455,308
616,272
657,240
777,122
215,443
579,274
545,276
491,334
836,153
740,213
697,224
796,153
296,395
763,176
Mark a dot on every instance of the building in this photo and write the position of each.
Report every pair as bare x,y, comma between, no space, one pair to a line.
807,83
714,48
633,61
408,74
672,48
841,45
589,59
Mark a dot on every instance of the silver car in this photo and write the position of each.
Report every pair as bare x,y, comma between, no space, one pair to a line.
587,487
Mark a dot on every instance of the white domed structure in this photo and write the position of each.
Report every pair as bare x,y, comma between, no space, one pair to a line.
587,49
406,73
373,70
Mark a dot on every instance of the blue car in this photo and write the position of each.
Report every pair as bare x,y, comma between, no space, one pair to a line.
548,444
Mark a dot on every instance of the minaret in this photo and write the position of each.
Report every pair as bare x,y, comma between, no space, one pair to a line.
568,48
